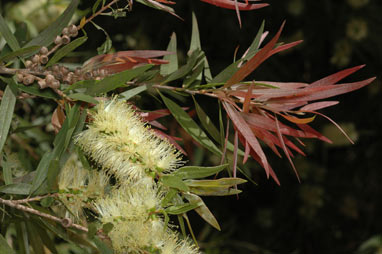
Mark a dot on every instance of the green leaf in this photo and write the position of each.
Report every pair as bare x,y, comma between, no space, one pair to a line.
19,52
174,182
203,210
83,84
137,90
169,197
117,80
227,73
179,209
253,49
106,46
16,188
8,35
96,4
4,247
35,90
102,247
192,172
83,97
185,69
195,76
172,66
195,38
35,238
46,37
222,182
41,171
190,126
7,107
106,228
22,237
7,172
206,122
62,52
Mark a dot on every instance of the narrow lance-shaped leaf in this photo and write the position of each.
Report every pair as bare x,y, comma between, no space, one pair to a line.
6,113
203,210
62,52
117,80
8,35
190,126
19,52
193,172
255,61
166,69
4,247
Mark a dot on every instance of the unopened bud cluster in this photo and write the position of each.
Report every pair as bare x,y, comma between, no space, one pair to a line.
55,75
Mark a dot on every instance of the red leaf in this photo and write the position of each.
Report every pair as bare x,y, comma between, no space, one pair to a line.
334,78
255,61
228,4
318,105
294,119
246,131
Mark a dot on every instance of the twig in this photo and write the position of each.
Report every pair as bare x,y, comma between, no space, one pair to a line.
96,14
65,222
37,198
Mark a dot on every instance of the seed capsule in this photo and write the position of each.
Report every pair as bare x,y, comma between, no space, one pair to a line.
44,59
49,79
28,79
55,84
58,40
73,30
19,77
44,50
42,83
65,31
28,63
65,39
36,59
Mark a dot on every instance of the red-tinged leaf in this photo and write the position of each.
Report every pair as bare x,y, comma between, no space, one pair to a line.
125,60
318,105
158,125
255,120
283,85
334,78
165,2
285,148
339,127
230,4
247,99
294,119
58,118
333,90
284,47
255,61
268,138
246,131
312,132
257,158
246,154
236,146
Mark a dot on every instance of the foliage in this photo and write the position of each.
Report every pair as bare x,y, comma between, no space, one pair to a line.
105,173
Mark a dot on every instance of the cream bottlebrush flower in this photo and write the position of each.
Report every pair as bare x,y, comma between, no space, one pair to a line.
137,229
119,141
79,186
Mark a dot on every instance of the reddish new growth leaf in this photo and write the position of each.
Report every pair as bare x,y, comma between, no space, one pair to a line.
125,60
256,109
236,5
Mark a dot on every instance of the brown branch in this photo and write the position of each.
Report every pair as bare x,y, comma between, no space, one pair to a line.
96,14
65,222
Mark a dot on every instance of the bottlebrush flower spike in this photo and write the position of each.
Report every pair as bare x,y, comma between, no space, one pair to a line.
124,60
265,104
118,140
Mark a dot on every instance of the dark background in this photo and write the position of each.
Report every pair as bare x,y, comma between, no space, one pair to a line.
337,206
